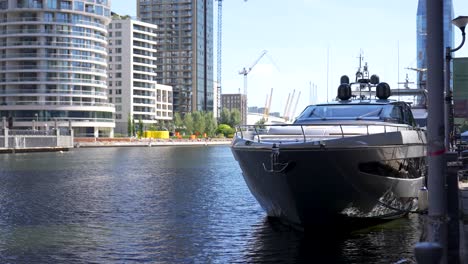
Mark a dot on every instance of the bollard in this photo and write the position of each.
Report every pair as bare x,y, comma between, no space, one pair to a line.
453,243
428,253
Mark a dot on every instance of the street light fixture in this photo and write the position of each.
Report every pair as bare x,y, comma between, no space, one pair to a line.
461,23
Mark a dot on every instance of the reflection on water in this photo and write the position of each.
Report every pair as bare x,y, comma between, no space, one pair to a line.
161,205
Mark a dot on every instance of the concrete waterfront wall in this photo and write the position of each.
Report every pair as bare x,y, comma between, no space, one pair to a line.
34,139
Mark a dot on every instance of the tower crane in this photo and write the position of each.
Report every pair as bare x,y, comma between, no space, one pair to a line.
246,71
218,57
219,53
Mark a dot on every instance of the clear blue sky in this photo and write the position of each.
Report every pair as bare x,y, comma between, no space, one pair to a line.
298,35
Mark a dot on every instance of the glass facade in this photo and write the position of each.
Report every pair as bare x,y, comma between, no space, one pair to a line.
185,49
421,39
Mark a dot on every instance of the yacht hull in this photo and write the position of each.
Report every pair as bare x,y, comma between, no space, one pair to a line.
313,183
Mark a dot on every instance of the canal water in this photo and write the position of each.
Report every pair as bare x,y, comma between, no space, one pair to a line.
162,205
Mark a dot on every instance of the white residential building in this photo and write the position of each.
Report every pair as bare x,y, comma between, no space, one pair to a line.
132,74
53,65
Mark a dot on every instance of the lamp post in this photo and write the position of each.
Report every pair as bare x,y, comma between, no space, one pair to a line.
461,23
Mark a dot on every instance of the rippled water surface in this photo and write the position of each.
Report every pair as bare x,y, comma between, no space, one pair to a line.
161,205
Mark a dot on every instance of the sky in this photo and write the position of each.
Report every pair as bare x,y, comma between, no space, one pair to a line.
311,43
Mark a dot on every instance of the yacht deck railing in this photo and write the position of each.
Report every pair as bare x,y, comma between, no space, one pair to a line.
314,132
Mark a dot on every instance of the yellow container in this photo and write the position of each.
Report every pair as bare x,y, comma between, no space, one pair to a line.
156,134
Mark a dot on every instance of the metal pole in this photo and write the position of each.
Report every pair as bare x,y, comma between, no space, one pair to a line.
448,98
437,213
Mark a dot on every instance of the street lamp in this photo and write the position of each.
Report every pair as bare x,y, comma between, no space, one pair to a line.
461,23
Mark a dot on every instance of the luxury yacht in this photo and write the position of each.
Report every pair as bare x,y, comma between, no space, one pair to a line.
361,157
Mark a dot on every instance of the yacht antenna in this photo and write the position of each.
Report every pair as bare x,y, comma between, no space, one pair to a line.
359,73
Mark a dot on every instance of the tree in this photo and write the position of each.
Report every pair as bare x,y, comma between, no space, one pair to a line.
129,126
140,127
178,122
261,123
198,122
235,118
210,124
188,122
225,116
226,130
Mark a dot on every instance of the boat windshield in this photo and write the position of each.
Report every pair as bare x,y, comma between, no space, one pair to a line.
351,111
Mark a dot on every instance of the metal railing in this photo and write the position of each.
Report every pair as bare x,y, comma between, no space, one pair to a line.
313,132
59,21
60,103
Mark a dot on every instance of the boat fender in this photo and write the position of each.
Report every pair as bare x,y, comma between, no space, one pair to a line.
423,201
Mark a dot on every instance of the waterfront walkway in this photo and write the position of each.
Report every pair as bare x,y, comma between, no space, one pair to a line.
145,142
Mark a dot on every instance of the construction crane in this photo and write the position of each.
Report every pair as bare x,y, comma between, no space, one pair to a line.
218,57
295,106
288,111
246,71
285,113
266,112
420,71
219,54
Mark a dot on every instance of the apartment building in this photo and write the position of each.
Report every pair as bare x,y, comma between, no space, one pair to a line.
184,49
236,101
53,65
133,87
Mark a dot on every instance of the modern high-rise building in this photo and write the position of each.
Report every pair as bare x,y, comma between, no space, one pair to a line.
185,49
236,101
421,37
53,64
132,75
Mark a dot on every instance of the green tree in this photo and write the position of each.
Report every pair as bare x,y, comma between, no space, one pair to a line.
133,127
235,118
225,129
140,127
170,125
129,126
225,116
210,123
178,122
261,123
198,122
188,123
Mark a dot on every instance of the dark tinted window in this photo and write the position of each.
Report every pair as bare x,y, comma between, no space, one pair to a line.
342,111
